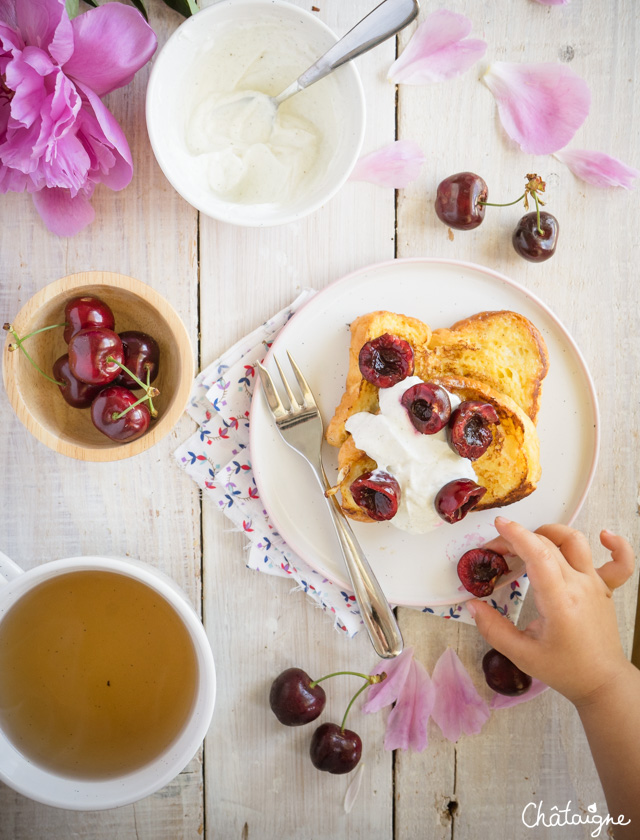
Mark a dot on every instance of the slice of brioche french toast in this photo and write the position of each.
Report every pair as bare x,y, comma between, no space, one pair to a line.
510,468
503,349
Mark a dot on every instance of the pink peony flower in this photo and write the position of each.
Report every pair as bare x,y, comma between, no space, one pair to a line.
57,139
598,169
438,50
408,685
541,106
458,706
395,165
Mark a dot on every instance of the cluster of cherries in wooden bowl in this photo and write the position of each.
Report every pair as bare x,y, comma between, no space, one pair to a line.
101,369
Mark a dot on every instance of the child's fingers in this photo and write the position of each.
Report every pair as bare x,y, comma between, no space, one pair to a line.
499,632
573,545
543,568
620,568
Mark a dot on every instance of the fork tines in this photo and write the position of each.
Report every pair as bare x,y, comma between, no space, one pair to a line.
271,393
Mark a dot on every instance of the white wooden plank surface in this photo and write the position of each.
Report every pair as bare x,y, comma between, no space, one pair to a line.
258,781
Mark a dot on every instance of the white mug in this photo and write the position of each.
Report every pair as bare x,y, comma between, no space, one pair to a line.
44,785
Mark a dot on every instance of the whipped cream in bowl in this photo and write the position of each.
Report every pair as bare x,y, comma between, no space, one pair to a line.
215,131
421,464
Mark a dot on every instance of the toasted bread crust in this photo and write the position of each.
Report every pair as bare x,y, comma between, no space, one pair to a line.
495,357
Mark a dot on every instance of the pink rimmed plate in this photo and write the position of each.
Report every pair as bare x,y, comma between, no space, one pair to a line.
419,570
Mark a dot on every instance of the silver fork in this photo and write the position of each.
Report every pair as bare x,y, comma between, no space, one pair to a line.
301,428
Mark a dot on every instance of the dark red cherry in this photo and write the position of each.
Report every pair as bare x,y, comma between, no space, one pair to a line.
528,241
141,353
335,750
112,401
86,311
503,676
479,569
293,700
78,394
457,200
454,501
469,431
377,493
428,407
90,351
386,360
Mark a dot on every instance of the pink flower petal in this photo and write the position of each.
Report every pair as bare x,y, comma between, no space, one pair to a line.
386,692
106,141
395,165
438,50
96,62
63,215
598,169
501,701
407,721
458,707
541,106
38,20
554,2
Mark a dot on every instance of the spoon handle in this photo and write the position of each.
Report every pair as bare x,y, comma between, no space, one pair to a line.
384,21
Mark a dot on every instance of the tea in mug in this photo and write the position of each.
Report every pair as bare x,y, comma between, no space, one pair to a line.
98,674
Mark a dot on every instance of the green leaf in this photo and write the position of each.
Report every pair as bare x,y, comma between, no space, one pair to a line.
73,8
185,7
91,3
140,7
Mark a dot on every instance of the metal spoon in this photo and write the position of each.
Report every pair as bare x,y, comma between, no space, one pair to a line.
384,21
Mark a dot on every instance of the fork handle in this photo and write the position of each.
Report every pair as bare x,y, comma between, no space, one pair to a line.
376,613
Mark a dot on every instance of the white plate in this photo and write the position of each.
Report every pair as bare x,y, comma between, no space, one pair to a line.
419,570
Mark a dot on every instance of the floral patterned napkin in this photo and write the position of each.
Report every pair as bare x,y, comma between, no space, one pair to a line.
217,457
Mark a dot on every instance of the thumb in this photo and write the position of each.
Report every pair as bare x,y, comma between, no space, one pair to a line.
498,631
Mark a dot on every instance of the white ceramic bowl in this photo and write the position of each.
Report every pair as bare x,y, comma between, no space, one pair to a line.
180,77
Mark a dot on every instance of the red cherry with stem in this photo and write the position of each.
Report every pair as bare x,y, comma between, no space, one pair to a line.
95,355
119,414
141,356
454,501
295,699
536,236
479,569
335,749
503,676
86,311
460,200
78,394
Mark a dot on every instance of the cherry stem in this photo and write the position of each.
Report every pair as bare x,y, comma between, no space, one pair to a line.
314,683
352,701
535,198
152,408
508,204
370,679
149,390
133,405
18,344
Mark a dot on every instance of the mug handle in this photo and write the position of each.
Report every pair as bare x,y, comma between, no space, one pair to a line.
8,569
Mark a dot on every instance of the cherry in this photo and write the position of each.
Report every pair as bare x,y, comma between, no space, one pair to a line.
95,355
536,239
468,432
459,200
335,749
86,311
454,501
377,493
503,676
141,356
77,393
295,699
119,415
428,407
386,360
479,569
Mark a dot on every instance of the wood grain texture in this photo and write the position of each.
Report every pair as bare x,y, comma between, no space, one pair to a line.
254,779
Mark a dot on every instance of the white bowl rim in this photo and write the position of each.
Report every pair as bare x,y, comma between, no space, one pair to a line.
154,126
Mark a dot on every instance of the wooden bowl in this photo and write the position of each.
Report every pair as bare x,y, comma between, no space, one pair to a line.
39,403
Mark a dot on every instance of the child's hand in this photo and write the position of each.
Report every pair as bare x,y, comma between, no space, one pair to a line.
574,645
